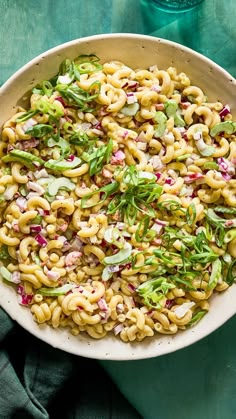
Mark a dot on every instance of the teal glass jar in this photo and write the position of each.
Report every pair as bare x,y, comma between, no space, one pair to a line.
174,6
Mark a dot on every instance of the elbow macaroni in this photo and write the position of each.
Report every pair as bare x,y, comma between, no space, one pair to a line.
55,241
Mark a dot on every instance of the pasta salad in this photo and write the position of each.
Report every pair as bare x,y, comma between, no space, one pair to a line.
118,200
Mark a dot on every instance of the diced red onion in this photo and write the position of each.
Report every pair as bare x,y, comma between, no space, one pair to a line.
157,228
169,181
160,222
63,227
226,176
20,289
102,304
21,203
41,240
156,88
157,242
15,227
107,174
158,175
117,329
36,163
162,151
125,134
120,226
52,275
61,100
226,166
223,164
23,298
193,177
9,192
46,212
28,124
131,98
120,308
229,223
26,145
16,277
156,162
9,148
32,195
225,111
133,85
118,157
185,104
98,125
38,174
71,157
86,125
131,287
169,304
35,228
72,258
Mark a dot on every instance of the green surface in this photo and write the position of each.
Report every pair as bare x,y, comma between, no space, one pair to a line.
197,382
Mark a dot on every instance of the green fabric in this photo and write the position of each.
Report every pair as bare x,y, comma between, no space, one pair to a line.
37,381
198,382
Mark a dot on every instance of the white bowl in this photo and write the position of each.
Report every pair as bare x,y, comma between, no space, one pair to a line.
136,51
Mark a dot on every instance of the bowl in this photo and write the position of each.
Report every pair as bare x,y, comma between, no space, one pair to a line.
137,51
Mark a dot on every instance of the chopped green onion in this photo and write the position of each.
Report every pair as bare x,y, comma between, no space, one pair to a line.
196,318
98,157
143,233
27,115
27,159
106,190
225,210
46,107
231,276
80,139
54,292
4,254
215,274
230,235
39,130
153,291
191,214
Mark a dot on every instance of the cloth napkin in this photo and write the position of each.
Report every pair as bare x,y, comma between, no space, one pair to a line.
40,382
198,382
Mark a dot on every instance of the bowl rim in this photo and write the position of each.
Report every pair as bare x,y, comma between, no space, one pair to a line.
76,41
85,351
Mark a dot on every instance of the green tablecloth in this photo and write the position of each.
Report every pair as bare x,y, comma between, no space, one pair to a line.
37,381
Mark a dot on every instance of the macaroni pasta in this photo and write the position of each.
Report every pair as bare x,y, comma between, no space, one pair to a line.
117,200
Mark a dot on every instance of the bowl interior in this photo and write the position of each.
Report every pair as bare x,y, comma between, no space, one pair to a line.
137,51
